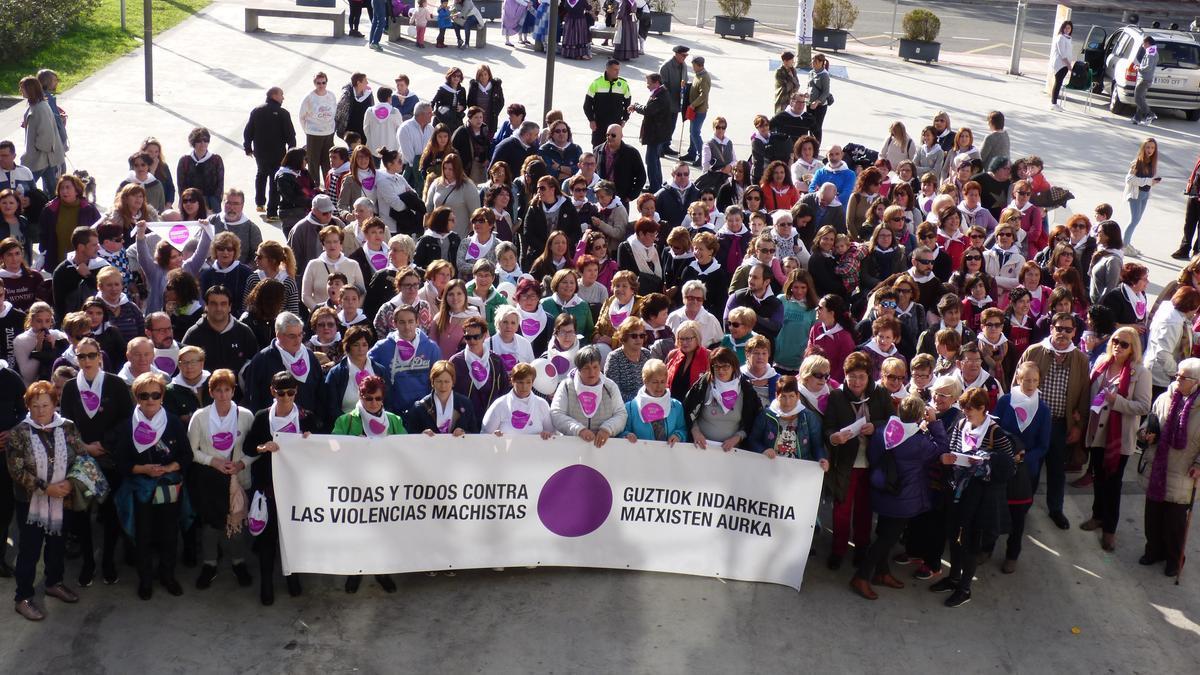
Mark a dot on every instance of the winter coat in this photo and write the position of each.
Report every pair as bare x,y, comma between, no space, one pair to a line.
913,458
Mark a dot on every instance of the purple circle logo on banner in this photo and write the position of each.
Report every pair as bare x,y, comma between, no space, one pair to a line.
165,364
178,234
478,372
729,398
473,250
561,364
509,360
653,412
381,113
143,434
575,501
405,349
520,418
530,327
376,426
300,367
893,433
90,400
360,376
368,183
379,261
618,318
1021,414
588,401
222,441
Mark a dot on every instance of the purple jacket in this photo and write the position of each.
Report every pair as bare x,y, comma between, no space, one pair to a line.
913,458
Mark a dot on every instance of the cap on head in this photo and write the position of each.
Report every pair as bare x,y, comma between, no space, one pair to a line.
681,49
322,204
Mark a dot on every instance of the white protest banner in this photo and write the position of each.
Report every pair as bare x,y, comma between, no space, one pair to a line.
349,505
177,234
804,22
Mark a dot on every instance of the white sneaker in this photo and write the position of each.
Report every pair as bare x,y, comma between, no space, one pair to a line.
1132,251
1057,106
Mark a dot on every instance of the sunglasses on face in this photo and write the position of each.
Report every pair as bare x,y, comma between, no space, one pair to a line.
87,356
1121,343
285,393
1066,329
636,336
370,399
973,257
994,324
720,127
473,337
821,376
924,262
150,396
735,324
612,135
898,219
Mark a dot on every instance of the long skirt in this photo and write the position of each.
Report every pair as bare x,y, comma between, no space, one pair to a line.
512,17
577,39
626,47
542,28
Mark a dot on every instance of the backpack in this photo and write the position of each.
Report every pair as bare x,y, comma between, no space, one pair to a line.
779,147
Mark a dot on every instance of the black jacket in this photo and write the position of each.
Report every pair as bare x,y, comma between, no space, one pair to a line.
607,102
657,126
792,126
697,398
512,152
259,433
231,349
838,415
70,289
350,111
446,104
672,206
491,112
429,249
628,171
465,144
262,368
234,280
423,415
12,400
174,438
535,231
269,132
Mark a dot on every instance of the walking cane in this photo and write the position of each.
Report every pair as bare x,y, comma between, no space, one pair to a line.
1187,524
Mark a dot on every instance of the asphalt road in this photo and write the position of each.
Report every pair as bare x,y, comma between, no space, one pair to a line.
978,28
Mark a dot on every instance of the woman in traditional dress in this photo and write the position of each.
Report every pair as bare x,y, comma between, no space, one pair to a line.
626,43
576,39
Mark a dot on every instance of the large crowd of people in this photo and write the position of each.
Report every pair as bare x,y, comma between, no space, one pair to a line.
908,317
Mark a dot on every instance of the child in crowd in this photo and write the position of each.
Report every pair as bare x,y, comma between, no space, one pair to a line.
508,269
443,22
849,256
419,18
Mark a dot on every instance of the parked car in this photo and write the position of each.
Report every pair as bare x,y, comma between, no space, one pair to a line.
1176,80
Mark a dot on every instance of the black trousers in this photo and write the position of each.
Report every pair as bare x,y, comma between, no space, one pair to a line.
1106,491
266,546
887,534
1191,216
818,121
34,545
157,529
265,192
926,538
7,506
1059,76
110,524
1165,530
1016,532
356,11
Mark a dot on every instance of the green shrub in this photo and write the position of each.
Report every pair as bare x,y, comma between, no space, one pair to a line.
734,9
662,6
922,25
30,24
836,14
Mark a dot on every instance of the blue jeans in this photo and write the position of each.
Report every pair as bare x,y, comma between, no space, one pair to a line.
654,166
379,20
697,145
49,178
1137,206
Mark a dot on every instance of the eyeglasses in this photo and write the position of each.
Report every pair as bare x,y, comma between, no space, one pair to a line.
189,200
972,257
977,236
479,220
473,337
224,248
682,174
321,324
994,324
150,396
87,356
409,285
321,82
766,250
1065,329
721,127
821,376
367,399
1181,376
285,393
1003,234
924,262
612,135
735,324
888,304
636,336
894,378
1120,343
191,362
559,131
904,291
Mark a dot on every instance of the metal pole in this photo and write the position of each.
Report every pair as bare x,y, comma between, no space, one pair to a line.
895,11
551,51
700,14
122,16
1014,64
149,47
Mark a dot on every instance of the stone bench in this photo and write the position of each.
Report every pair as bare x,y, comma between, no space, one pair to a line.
337,17
604,33
397,23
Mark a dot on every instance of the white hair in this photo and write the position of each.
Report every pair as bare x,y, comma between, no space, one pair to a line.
286,320
1190,367
695,285
503,312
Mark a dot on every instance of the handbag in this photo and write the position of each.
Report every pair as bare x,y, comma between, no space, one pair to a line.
1053,198
411,220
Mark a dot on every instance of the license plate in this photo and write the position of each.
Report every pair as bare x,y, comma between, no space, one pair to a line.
1170,81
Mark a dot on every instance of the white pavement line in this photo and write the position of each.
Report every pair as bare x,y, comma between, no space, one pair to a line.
1043,546
960,37
1087,571
980,50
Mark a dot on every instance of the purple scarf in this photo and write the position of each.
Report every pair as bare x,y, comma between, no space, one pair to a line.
1172,435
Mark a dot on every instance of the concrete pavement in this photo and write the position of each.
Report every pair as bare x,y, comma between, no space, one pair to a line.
1130,618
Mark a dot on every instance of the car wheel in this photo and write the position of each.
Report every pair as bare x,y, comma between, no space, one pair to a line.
1192,115
1115,106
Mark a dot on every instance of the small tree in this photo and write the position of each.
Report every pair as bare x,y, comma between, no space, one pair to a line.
922,25
662,6
734,9
835,14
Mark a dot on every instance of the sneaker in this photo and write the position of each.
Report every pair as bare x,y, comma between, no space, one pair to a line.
958,598
172,586
944,586
1057,106
87,573
901,559
110,574
207,574
924,573
1130,249
260,209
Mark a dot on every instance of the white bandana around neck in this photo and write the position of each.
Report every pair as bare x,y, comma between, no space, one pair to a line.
786,414
767,374
443,414
223,430
520,411
726,394
1050,345
652,408
45,510
994,345
971,439
288,424
1024,407
216,265
588,396
477,249
126,373
817,400
331,262
1136,300
569,303
115,305
713,266
829,332
980,380
89,394
374,426
896,432
167,359
148,431
296,365
873,345
479,367
980,303
532,323
617,312
920,278
378,259
178,381
357,375
644,257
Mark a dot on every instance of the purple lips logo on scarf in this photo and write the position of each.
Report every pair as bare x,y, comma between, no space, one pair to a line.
300,367
509,360
588,401
381,113
729,398
165,364
405,349
379,261
444,427
1140,308
178,234
368,183
222,441
1021,414
143,434
289,428
478,372
376,426
530,327
520,419
893,433
970,442
618,318
360,376
561,364
473,250
653,412
90,400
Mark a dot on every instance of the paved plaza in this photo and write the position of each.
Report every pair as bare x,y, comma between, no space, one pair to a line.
1070,607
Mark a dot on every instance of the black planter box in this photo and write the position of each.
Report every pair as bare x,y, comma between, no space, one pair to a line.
490,9
660,22
830,39
916,50
726,27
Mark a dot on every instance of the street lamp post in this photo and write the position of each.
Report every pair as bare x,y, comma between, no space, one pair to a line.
551,50
148,38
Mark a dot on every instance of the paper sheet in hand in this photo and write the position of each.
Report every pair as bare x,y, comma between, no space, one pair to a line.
963,459
855,427
176,234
